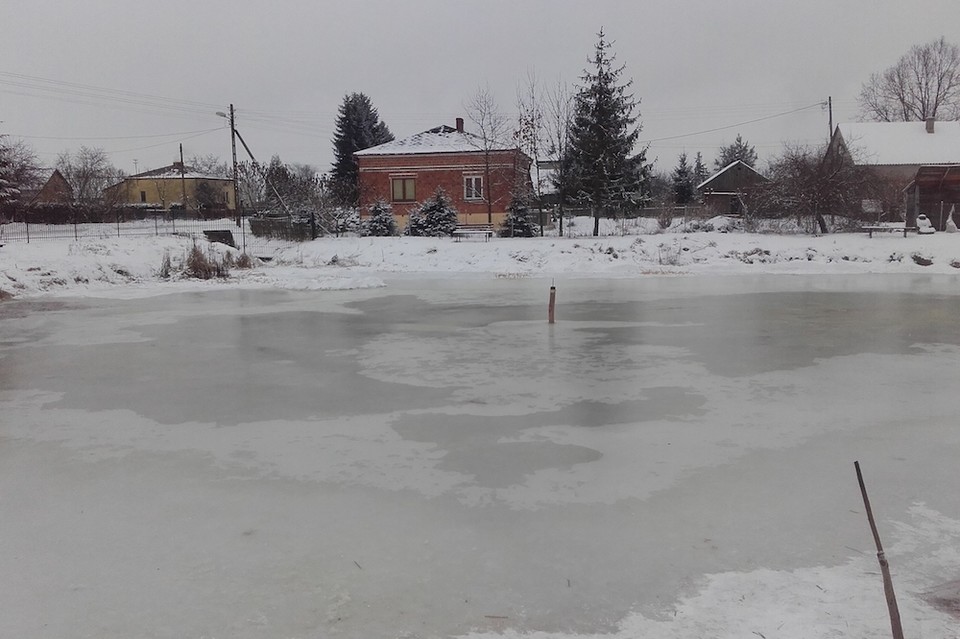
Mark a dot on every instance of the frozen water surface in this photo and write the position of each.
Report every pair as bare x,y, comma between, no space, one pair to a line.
672,458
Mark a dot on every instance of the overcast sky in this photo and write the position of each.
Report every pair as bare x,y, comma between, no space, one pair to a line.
139,78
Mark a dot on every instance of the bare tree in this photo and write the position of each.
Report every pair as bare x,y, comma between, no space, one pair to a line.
252,185
531,138
558,116
88,171
924,83
23,165
210,165
810,183
492,130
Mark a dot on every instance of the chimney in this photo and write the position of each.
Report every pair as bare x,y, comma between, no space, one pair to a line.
929,125
460,125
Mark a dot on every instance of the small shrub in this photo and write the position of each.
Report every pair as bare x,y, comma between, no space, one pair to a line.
921,260
381,222
244,261
166,267
435,217
664,219
518,221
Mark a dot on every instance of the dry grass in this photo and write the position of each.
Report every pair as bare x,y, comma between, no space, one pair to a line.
201,266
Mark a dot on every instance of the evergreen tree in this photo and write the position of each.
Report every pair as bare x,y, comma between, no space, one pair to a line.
682,182
739,150
601,171
519,220
700,173
435,217
381,222
358,127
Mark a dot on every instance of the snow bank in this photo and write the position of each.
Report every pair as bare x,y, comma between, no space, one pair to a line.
94,266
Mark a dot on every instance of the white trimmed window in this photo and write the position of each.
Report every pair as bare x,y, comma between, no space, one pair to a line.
473,187
403,189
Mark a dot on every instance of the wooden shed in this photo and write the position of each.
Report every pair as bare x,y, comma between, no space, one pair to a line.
934,191
724,191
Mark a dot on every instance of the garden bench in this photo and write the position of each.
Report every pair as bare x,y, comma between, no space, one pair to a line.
474,230
888,228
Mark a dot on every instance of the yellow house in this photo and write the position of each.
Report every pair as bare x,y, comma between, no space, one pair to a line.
175,186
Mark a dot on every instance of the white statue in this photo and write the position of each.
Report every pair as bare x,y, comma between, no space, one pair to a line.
924,227
951,226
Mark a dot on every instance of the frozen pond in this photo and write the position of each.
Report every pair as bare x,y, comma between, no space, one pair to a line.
433,459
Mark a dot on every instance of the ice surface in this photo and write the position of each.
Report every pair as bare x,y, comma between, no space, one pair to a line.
673,458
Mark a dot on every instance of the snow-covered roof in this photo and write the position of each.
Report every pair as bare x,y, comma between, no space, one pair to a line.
725,169
902,142
173,171
441,139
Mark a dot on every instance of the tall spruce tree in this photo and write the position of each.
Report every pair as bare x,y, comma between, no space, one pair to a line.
601,171
682,181
700,173
358,127
738,150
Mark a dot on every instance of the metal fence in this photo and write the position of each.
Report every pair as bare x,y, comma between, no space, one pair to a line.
152,226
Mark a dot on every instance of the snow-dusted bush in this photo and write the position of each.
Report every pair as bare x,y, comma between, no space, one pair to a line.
519,221
435,217
381,222
921,260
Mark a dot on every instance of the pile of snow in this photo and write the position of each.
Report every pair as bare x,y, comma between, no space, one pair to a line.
91,266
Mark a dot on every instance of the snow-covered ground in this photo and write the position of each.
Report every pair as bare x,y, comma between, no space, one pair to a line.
131,266
153,493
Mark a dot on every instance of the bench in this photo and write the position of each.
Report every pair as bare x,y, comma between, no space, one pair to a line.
474,230
888,228
224,237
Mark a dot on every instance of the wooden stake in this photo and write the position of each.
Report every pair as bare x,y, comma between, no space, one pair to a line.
553,303
884,566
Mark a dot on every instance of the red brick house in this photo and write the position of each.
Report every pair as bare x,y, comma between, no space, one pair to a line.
479,182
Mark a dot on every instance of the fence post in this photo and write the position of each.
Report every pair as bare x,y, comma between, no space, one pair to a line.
156,227
27,225
76,236
118,222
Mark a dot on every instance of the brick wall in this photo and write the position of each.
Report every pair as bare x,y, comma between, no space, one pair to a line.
447,171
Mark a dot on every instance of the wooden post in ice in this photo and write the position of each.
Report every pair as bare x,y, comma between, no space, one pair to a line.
553,303
884,566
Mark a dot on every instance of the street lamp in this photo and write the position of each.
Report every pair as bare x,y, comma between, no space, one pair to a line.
233,151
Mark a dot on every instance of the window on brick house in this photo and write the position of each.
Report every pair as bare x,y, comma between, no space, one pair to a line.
473,187
143,196
403,189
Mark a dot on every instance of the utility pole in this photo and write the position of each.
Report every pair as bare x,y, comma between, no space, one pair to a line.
830,115
233,151
183,182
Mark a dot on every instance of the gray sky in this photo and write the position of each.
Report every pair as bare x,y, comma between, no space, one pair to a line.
286,66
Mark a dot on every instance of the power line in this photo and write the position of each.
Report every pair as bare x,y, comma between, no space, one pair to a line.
733,126
120,137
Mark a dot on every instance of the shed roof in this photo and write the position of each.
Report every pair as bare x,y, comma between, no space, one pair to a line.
894,143
730,167
441,139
